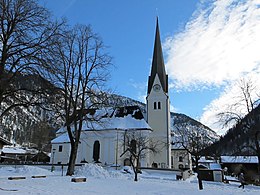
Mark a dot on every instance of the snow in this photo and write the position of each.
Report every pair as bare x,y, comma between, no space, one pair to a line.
126,122
109,181
215,166
239,159
14,150
114,123
12,171
121,119
203,159
63,138
18,150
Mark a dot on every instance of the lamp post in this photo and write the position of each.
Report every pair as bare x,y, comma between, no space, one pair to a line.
52,164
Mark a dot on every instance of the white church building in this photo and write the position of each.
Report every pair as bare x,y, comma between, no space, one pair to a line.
105,142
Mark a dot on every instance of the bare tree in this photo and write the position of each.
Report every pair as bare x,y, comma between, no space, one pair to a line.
81,74
26,38
194,140
138,146
249,120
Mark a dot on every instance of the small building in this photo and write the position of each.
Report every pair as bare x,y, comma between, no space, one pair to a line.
17,154
237,164
210,169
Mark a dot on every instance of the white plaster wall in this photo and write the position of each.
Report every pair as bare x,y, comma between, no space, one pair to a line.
187,162
108,148
107,145
60,157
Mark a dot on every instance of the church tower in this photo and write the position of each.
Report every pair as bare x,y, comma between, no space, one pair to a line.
158,106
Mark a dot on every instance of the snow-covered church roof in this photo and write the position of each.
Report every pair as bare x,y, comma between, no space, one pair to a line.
122,118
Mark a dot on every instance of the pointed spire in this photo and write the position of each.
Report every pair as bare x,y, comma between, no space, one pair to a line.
158,63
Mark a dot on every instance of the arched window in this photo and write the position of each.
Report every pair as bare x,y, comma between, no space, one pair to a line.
96,151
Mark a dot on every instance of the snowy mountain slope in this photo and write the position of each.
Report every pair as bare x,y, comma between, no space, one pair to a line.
179,121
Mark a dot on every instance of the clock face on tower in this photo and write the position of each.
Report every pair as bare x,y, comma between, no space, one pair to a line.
156,87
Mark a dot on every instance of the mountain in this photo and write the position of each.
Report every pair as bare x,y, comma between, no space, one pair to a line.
35,126
241,138
179,121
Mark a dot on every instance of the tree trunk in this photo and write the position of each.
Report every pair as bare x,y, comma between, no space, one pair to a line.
72,160
198,174
135,168
136,172
200,182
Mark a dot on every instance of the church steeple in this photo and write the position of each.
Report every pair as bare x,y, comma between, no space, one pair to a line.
158,105
158,63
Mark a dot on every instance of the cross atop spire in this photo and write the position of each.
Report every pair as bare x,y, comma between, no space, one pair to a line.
158,63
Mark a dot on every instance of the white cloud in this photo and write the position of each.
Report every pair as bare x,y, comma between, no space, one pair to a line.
219,45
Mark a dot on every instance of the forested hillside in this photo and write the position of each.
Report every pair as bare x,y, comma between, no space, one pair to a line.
240,139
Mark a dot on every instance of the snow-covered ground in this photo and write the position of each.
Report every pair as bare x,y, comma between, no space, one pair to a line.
108,181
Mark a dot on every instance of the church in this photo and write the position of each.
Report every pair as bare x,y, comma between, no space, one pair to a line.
106,143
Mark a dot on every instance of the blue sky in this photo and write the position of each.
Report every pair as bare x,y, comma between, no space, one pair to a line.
208,46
